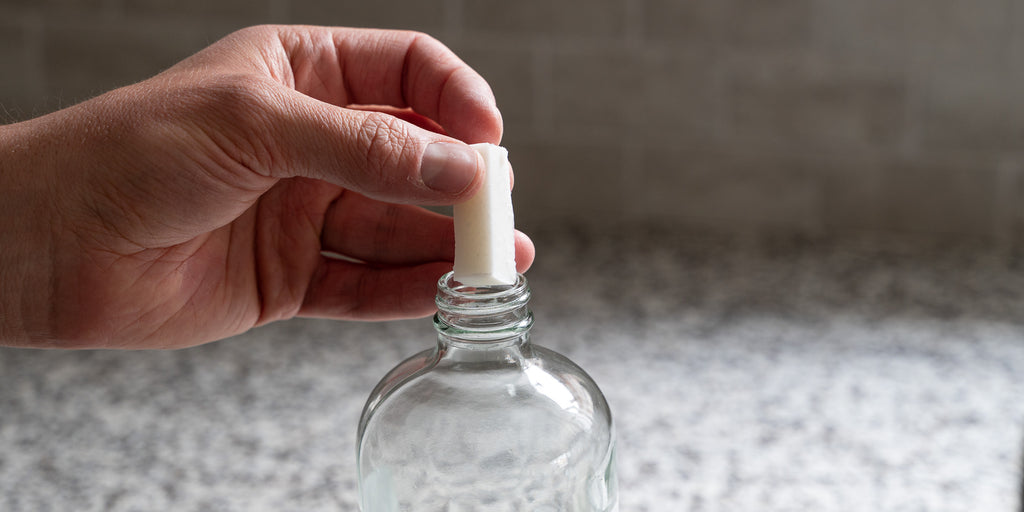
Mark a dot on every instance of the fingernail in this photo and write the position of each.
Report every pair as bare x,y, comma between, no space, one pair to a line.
448,167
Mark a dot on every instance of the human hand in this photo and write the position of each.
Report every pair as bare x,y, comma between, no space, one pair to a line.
195,205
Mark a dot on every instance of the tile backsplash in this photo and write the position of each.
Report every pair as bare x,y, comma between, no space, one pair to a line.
810,116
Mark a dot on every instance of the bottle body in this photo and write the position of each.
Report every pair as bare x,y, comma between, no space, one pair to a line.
487,422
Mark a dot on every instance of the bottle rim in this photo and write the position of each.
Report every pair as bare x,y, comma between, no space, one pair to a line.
455,297
450,284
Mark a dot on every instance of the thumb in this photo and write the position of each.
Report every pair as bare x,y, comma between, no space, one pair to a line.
373,153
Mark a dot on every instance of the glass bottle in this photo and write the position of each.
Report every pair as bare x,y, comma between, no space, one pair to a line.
486,421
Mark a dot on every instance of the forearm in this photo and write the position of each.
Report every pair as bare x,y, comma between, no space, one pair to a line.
26,235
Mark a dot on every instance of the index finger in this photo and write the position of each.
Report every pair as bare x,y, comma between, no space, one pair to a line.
347,66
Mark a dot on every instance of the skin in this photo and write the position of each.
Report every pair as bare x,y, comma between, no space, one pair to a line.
193,206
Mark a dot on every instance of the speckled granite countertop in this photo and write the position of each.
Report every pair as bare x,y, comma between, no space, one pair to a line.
768,374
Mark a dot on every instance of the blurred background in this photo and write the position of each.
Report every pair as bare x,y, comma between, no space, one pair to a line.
804,116
784,236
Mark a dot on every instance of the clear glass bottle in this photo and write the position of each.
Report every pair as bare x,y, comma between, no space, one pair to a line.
486,421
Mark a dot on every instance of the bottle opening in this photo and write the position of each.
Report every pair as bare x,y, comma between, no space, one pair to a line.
454,296
449,282
483,311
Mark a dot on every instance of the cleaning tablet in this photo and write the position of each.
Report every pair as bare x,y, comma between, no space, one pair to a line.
485,252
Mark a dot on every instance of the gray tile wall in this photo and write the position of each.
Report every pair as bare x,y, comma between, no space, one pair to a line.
812,116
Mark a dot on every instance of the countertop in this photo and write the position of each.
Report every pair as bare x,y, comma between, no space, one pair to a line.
768,373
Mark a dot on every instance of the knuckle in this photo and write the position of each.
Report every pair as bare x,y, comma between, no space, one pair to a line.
423,37
255,33
237,112
257,30
234,96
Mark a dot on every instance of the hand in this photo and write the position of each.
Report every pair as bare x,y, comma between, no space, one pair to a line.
195,205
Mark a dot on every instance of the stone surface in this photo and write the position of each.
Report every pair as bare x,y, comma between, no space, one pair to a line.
764,373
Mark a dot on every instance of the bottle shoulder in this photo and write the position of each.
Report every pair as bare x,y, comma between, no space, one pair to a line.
394,379
536,384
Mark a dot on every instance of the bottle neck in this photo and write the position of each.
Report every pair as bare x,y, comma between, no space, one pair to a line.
479,318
